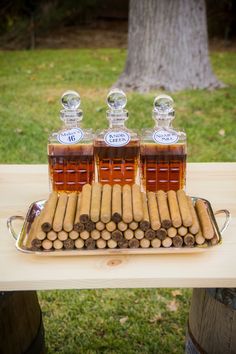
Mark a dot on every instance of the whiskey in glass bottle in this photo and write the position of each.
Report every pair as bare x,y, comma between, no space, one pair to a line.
116,149
70,150
163,150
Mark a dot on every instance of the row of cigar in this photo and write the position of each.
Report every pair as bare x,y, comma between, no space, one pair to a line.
105,216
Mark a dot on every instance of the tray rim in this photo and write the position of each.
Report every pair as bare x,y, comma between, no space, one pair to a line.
117,251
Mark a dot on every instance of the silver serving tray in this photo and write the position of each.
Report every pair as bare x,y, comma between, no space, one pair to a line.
36,207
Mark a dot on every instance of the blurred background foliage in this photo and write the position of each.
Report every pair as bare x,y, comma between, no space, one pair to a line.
25,22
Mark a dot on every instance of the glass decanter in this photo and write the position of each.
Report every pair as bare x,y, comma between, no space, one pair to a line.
116,149
163,150
70,150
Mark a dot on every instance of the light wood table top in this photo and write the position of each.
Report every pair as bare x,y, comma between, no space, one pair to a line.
20,185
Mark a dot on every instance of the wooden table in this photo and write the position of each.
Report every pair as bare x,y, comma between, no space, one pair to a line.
20,185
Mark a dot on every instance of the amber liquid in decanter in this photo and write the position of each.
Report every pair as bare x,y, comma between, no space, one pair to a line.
163,167
70,167
117,165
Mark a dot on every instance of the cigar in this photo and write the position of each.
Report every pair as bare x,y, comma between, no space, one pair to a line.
106,235
153,211
150,234
127,204
78,226
96,202
79,243
214,241
106,204
49,211
182,231
95,234
34,230
161,234
85,202
69,244
90,243
145,223
122,226
123,243
184,208
111,226
195,227
62,235
57,244
145,243
137,203
117,235
73,235
199,239
177,241
172,232
205,222
36,244
100,226
133,225
128,234
70,212
111,243
139,234
134,243
156,243
163,209
47,244
84,235
40,234
116,203
174,209
52,235
60,212
189,240
167,242
100,243
89,226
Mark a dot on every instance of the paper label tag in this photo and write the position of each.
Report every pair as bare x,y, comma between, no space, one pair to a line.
119,138
70,136
165,137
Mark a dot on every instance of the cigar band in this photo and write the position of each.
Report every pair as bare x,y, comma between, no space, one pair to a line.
117,138
163,136
70,136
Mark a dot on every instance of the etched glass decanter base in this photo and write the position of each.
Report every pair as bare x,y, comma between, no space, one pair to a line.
70,167
116,164
163,167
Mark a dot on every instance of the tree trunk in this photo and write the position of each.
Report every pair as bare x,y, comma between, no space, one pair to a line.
167,47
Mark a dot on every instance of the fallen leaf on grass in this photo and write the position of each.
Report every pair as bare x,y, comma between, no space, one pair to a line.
123,320
156,318
172,306
221,132
176,293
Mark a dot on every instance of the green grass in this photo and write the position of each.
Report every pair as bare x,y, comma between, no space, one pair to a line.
108,321
115,321
32,83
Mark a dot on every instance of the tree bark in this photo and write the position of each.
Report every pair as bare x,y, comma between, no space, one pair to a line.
167,47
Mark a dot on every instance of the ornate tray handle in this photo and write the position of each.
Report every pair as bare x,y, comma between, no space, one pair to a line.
227,218
10,225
